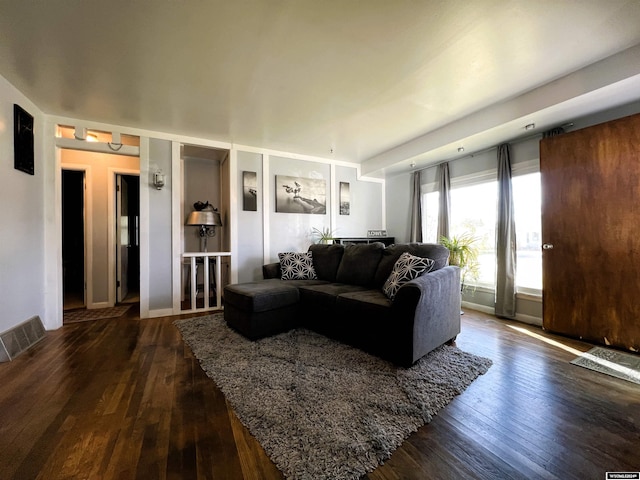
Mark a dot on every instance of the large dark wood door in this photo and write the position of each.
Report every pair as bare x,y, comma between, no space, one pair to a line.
591,233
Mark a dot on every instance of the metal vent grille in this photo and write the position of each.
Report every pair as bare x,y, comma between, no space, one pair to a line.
15,341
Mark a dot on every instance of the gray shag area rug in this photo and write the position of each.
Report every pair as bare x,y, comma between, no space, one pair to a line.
321,409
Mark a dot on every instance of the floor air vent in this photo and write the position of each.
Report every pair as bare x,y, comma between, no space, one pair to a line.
15,341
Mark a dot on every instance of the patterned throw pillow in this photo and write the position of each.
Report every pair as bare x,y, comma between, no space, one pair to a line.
406,268
297,266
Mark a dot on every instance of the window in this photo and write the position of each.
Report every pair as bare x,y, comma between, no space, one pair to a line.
527,206
473,211
430,217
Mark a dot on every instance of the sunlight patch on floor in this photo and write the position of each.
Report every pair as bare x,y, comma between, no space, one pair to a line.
546,340
586,355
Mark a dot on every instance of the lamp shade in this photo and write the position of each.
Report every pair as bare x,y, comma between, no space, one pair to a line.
204,217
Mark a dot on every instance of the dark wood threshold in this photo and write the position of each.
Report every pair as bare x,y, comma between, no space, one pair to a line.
124,398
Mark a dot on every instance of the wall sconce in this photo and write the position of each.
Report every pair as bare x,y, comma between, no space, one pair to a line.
158,180
207,218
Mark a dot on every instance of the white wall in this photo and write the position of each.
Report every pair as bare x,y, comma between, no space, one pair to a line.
31,259
398,202
249,257
366,210
22,214
291,232
160,233
264,233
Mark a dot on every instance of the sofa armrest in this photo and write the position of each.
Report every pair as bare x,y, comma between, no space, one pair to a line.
436,299
271,270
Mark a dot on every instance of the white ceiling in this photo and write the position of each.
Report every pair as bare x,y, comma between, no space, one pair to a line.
380,82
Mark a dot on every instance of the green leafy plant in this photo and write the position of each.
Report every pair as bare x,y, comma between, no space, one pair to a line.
323,236
463,252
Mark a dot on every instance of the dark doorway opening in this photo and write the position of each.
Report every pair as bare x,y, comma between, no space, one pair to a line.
73,264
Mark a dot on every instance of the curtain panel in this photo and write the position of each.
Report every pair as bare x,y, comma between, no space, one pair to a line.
416,208
505,239
444,210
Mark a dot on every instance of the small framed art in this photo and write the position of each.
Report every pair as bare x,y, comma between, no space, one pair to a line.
249,191
23,140
345,199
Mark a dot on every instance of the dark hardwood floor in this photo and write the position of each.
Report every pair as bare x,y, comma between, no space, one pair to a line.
124,398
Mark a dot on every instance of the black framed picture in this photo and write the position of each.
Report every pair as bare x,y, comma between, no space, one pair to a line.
345,199
249,191
22,140
301,195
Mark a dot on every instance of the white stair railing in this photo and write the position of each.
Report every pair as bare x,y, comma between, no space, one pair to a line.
205,260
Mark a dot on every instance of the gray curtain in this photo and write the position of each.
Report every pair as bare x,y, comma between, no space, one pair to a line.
444,209
416,208
505,239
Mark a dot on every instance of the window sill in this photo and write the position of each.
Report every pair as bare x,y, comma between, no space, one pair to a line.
532,294
529,294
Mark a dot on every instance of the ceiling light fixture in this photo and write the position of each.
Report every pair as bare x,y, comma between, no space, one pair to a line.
80,133
460,149
530,126
116,141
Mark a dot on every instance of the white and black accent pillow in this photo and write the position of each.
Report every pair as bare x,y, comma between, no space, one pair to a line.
406,268
297,266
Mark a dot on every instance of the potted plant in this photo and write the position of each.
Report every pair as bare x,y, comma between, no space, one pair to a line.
324,236
463,252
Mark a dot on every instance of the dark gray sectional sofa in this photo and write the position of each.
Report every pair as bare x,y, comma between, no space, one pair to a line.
346,301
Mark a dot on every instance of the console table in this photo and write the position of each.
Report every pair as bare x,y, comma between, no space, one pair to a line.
348,240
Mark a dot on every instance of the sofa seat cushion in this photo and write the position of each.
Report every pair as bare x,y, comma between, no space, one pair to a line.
314,296
359,263
265,295
364,303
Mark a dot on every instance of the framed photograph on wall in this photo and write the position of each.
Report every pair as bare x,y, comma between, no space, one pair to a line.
23,140
301,195
345,198
249,191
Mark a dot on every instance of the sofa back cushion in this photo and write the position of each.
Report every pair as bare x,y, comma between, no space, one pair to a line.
436,252
326,259
360,263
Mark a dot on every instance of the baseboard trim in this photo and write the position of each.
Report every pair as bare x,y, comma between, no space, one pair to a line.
95,306
528,319
161,312
478,307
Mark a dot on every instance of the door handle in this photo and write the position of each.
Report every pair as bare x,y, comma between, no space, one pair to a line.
547,246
